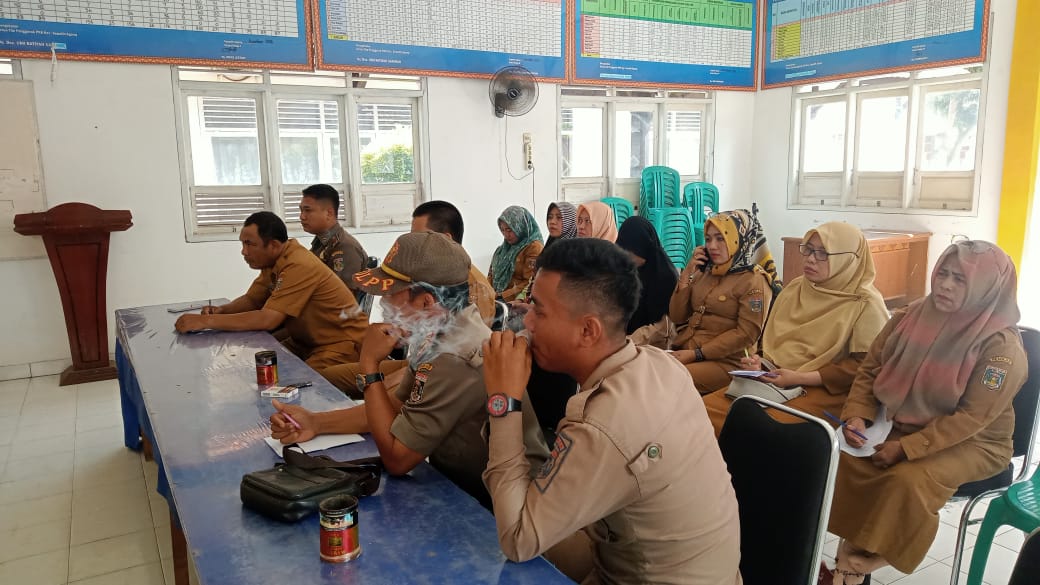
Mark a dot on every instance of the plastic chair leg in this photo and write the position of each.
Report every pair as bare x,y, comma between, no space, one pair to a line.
996,516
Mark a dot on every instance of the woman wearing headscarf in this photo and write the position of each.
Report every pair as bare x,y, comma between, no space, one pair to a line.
657,274
512,265
821,326
596,220
945,371
562,220
723,297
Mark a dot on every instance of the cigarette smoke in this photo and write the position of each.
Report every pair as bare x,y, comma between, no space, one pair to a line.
428,333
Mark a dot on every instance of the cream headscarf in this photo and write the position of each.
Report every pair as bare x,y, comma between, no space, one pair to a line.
604,226
810,325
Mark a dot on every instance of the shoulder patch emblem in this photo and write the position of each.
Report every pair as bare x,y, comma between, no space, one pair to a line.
552,465
993,377
755,305
1001,359
277,284
337,263
422,374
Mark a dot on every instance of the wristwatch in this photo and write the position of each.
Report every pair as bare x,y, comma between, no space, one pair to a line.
699,355
363,380
499,405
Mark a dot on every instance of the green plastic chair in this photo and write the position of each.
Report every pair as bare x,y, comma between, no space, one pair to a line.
1017,505
659,187
703,201
674,226
622,209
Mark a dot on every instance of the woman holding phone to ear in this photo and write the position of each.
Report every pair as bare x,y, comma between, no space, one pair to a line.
723,297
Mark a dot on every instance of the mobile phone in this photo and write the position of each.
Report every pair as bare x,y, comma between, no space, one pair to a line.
305,384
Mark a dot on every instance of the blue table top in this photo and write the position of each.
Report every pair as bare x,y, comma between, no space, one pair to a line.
209,419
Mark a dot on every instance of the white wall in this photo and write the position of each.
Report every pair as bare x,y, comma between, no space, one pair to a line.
769,163
108,137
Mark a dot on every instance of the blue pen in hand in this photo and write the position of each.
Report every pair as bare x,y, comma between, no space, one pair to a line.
845,425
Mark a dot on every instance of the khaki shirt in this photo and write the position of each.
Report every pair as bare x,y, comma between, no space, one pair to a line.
636,465
321,312
341,252
443,412
984,413
523,271
725,314
482,294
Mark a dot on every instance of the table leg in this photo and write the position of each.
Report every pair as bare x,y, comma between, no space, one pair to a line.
180,551
146,447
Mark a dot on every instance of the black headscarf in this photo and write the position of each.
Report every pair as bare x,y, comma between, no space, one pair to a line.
658,275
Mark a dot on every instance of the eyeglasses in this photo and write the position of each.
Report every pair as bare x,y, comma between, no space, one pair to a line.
820,254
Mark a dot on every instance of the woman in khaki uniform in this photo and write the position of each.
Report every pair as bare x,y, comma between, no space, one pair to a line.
722,297
512,266
945,371
821,326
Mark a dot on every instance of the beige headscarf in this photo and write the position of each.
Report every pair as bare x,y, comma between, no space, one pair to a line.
810,325
604,226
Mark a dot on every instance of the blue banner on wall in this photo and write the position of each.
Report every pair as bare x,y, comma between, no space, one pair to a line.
706,43
810,40
444,36
226,32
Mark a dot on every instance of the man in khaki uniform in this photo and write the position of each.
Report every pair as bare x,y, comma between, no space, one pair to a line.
340,251
444,218
438,409
294,290
634,464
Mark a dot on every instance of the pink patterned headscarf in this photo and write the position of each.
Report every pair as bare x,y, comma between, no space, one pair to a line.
931,354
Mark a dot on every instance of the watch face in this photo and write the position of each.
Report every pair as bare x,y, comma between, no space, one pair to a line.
497,405
360,381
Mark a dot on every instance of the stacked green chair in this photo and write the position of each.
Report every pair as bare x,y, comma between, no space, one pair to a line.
703,201
622,209
659,187
674,226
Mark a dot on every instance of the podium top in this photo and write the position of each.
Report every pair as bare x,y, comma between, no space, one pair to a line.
72,218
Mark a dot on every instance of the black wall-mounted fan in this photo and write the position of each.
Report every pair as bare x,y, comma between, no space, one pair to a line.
513,91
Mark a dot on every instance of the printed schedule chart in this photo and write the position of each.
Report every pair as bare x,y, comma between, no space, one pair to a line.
688,42
269,31
817,38
276,17
467,36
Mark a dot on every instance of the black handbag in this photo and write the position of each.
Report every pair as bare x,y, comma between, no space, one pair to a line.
292,490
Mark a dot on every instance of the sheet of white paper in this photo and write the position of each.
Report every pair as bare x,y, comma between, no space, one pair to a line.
876,434
319,443
748,373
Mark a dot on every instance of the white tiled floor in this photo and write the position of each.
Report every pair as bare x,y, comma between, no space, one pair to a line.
75,505
78,507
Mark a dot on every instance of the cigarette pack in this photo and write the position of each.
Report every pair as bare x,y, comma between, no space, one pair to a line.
283,392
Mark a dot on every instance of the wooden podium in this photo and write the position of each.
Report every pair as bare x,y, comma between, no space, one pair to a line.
76,237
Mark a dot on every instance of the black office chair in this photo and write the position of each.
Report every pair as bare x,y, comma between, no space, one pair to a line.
1026,403
783,475
1027,568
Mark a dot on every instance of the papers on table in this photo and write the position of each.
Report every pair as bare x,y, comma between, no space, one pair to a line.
319,443
876,434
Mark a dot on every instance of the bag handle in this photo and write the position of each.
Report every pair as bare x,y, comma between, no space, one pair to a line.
370,467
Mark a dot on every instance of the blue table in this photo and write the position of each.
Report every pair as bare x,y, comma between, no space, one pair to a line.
195,398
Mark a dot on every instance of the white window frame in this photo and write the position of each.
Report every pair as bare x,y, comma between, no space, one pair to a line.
16,69
353,193
581,189
842,190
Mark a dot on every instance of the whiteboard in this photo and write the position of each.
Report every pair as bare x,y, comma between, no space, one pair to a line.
21,175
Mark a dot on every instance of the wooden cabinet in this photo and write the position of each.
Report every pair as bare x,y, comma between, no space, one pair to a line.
900,258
